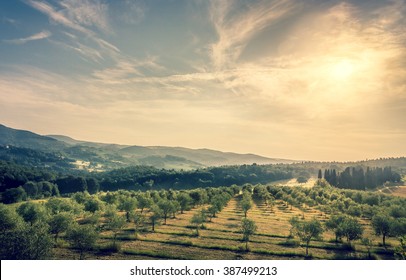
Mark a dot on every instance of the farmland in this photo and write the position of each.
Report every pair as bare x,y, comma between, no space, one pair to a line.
219,235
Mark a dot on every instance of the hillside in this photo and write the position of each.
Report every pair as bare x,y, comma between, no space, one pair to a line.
93,156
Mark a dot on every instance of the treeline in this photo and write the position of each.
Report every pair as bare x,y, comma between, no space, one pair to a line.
145,177
360,179
18,183
29,157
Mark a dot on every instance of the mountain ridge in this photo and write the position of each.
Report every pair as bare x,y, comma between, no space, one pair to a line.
106,156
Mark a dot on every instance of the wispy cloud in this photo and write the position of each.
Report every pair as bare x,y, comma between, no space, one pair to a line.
81,16
38,36
236,29
92,13
58,16
133,11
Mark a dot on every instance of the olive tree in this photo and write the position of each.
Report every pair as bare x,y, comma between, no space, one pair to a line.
306,230
26,242
156,215
381,223
59,223
198,219
248,228
82,238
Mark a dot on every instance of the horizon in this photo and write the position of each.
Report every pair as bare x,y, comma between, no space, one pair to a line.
321,81
295,161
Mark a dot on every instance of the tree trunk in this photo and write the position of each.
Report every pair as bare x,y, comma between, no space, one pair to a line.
383,240
153,226
246,245
307,248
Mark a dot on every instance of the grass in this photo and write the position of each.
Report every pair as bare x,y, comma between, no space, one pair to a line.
221,238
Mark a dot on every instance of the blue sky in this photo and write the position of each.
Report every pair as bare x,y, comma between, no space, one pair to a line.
318,80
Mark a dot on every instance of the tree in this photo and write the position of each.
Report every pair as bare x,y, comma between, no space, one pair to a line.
155,216
166,207
9,219
368,244
351,229
82,238
334,224
144,202
246,205
115,223
26,242
248,228
14,195
381,224
306,230
185,201
198,219
31,212
93,185
93,204
320,175
128,205
59,223
139,220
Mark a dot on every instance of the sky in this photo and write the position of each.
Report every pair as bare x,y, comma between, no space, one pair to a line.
307,80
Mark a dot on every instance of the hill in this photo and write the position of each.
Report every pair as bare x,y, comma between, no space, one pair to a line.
92,156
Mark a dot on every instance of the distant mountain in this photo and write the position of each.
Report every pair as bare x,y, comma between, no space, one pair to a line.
203,156
27,139
93,156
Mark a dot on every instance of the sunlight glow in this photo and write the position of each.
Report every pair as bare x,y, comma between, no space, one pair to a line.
343,69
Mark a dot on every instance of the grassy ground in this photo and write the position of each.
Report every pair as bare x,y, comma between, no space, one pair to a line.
220,238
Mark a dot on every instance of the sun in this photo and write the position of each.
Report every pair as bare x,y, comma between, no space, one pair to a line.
343,69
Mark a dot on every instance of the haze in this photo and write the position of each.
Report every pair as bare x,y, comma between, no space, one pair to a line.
314,80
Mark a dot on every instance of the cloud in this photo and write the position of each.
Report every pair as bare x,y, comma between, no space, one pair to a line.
92,13
38,36
58,16
80,16
133,11
236,28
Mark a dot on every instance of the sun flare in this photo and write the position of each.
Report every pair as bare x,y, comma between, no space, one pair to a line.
343,69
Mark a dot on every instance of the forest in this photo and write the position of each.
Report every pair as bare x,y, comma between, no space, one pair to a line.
21,182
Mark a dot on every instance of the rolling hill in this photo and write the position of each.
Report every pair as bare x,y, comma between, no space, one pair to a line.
94,156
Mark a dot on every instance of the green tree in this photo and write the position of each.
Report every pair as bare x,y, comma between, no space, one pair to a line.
334,223
166,207
9,219
198,220
128,205
156,215
32,212
59,223
351,229
14,195
26,242
306,230
93,204
185,201
381,223
82,238
368,244
144,202
115,223
246,205
248,228
139,221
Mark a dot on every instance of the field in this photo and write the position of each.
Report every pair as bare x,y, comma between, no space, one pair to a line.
396,191
220,238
